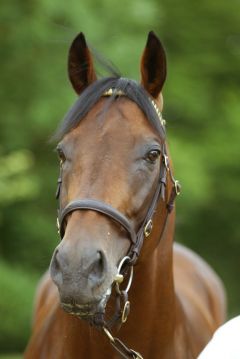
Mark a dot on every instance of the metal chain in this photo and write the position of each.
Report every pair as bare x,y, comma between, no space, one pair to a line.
126,352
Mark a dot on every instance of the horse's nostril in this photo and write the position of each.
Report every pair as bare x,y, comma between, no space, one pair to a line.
88,267
55,268
56,260
97,269
101,261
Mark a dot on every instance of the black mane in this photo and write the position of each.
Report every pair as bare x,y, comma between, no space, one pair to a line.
95,91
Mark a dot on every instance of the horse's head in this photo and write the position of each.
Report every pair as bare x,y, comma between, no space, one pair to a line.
111,151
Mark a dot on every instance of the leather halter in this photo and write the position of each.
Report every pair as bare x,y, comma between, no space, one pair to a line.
136,237
145,229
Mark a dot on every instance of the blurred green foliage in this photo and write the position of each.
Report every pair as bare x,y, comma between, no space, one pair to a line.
17,289
202,109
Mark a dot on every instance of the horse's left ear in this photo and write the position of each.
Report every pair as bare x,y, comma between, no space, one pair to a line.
80,64
153,66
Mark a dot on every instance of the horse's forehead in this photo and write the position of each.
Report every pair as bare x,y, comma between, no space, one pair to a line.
120,117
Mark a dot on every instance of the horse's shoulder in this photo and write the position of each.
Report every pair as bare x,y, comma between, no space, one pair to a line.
187,262
198,286
46,296
183,255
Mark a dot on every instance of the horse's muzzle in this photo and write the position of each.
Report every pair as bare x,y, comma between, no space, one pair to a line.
83,279
92,312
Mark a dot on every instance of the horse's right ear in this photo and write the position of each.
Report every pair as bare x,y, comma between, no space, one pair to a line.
80,64
153,66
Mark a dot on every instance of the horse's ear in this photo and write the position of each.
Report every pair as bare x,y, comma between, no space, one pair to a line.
80,64
153,65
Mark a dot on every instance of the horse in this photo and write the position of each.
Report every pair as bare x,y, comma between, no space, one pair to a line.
118,286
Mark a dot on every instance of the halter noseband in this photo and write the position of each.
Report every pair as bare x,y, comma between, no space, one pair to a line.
101,207
136,237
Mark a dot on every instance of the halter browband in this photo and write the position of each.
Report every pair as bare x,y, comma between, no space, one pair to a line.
136,237
116,92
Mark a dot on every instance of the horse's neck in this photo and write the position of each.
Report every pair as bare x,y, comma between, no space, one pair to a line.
153,278
153,299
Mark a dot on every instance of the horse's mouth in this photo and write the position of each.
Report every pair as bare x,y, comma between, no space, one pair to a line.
80,310
92,312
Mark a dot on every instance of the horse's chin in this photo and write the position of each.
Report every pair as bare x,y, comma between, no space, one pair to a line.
91,312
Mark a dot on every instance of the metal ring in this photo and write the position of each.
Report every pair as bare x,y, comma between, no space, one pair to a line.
129,283
125,311
130,276
177,187
126,258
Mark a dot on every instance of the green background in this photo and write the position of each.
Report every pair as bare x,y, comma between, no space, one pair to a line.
202,107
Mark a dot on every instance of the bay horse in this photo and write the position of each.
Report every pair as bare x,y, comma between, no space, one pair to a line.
116,216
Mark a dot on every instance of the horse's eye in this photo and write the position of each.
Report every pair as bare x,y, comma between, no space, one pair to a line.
61,155
153,155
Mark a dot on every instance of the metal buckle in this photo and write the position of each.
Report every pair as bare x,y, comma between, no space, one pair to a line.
58,226
148,228
166,162
177,187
